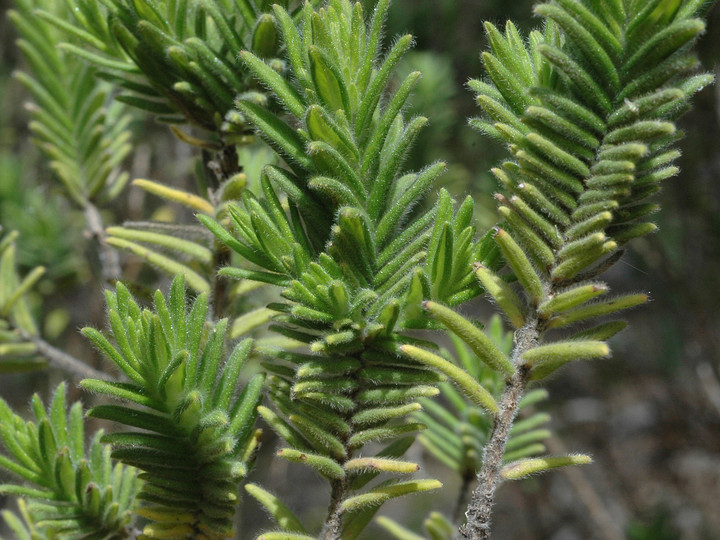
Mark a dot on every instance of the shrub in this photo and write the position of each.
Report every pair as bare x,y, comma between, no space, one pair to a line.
336,262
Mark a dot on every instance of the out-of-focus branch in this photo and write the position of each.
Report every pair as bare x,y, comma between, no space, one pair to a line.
109,260
63,360
710,384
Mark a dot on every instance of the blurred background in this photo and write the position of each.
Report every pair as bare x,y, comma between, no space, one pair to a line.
650,416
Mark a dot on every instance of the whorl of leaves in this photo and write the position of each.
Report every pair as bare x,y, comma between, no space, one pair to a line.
71,493
197,437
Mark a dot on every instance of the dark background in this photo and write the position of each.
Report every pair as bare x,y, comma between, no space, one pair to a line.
650,416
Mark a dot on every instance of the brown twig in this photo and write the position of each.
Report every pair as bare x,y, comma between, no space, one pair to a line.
332,529
479,510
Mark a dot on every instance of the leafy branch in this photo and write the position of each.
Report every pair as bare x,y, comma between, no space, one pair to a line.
587,109
336,232
198,438
177,60
74,494
84,137
458,430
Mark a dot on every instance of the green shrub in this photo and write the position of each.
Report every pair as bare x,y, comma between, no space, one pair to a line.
325,244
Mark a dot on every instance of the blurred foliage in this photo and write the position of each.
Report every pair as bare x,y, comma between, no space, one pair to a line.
50,230
81,131
658,527
17,325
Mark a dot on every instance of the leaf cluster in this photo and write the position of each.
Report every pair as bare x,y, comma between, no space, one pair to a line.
344,233
175,249
177,59
84,136
72,494
587,109
340,229
198,438
348,223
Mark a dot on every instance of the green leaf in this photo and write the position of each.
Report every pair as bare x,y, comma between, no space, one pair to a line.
502,293
327,467
381,465
663,43
472,389
377,496
598,309
182,197
276,83
171,266
527,467
135,418
372,94
187,247
265,39
571,298
475,338
125,391
398,531
518,261
595,54
545,359
278,133
280,513
580,80
327,81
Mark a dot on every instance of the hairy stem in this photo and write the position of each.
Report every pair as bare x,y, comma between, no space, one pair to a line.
480,508
461,502
332,528
109,260
333,524
63,360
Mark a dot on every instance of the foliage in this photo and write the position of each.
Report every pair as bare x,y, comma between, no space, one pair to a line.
84,138
176,59
74,494
175,249
353,248
358,266
457,430
50,231
17,352
587,111
200,439
589,121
